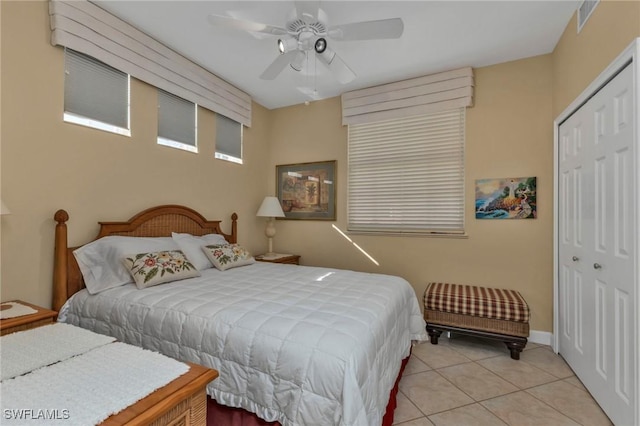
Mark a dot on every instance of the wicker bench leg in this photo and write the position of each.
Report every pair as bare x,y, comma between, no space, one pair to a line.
515,344
515,347
433,335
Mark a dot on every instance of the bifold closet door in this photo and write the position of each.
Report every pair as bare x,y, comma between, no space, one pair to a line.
597,288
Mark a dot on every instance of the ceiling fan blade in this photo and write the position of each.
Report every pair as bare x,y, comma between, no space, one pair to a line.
368,30
278,65
338,68
307,10
238,24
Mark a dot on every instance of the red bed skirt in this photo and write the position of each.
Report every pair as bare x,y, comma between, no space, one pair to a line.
220,415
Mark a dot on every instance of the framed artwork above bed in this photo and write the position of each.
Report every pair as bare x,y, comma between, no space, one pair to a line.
307,190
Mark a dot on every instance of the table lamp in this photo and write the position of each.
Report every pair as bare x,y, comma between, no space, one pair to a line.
270,208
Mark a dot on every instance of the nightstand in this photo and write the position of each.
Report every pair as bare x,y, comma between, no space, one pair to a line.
42,316
292,259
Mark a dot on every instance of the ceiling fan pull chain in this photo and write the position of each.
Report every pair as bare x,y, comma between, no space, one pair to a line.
306,67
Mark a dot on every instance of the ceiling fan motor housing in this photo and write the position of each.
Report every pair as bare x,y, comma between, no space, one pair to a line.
308,30
298,25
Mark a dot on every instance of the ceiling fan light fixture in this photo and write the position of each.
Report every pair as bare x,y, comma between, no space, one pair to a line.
287,45
320,45
298,61
327,56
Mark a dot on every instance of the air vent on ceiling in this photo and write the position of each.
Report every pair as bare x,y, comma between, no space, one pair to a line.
585,10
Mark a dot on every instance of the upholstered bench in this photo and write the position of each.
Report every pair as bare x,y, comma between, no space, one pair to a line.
479,311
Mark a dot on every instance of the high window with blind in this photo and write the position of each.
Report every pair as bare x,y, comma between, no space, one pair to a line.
95,94
177,122
406,175
228,139
86,27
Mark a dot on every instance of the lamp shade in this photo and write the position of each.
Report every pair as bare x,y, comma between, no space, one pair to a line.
3,208
270,208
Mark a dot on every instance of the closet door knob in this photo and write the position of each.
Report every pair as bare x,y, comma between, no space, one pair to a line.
597,266
575,258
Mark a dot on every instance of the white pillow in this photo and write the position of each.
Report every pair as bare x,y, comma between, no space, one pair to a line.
192,246
101,261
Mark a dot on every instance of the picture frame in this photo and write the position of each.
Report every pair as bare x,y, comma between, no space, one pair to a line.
307,191
506,198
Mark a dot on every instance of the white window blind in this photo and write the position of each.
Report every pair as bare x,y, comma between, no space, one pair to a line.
228,139
406,175
176,122
95,94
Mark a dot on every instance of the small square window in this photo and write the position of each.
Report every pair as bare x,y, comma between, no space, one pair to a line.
177,122
95,94
228,139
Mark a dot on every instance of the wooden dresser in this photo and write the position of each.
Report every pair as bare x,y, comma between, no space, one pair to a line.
292,259
43,316
181,402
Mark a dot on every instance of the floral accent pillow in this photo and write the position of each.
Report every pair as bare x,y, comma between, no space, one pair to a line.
149,269
191,246
226,256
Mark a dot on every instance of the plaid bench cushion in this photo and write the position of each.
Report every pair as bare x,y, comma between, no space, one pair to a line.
508,305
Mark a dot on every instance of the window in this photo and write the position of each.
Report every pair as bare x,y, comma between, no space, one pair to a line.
95,94
228,139
177,122
407,175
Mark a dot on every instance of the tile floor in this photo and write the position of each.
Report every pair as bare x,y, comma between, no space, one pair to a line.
468,381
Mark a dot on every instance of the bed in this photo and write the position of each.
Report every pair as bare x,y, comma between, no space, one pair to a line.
295,345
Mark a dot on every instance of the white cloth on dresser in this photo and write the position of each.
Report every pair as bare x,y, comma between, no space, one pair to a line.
23,352
15,309
88,388
301,345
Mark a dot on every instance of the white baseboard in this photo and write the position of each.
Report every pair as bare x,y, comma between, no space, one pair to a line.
540,337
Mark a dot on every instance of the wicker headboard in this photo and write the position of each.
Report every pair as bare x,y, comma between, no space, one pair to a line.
154,222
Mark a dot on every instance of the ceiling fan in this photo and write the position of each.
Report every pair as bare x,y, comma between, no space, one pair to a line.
306,31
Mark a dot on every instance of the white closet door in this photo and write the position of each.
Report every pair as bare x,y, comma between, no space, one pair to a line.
597,235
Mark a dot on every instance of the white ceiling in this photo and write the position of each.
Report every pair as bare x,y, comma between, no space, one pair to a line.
438,36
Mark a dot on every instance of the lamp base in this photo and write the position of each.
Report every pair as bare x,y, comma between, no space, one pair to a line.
270,232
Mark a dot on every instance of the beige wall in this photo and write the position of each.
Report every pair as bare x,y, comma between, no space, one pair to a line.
47,164
579,58
508,133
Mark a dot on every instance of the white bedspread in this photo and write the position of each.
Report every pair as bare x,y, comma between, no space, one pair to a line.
301,345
